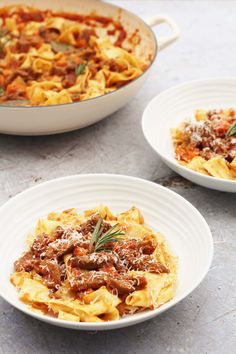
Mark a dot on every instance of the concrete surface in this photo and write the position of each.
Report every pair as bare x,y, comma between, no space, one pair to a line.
205,322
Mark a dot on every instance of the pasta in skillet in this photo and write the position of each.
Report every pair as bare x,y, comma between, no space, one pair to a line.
95,266
51,58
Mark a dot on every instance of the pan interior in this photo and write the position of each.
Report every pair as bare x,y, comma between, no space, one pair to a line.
140,39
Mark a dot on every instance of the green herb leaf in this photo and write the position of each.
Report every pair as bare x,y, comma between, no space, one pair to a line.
232,130
80,69
59,47
96,232
3,32
2,91
99,241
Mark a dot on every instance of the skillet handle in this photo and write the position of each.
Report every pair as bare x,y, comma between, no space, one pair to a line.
164,41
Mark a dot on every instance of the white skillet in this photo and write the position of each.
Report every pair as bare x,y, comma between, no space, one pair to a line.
62,118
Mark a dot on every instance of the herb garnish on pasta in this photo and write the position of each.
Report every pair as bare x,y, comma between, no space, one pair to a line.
95,266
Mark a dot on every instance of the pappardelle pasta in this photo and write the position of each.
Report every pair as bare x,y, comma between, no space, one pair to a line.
49,58
208,144
94,267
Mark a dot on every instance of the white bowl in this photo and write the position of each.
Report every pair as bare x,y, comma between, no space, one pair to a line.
172,106
184,227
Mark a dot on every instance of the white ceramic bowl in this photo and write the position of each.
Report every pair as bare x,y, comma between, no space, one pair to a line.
184,227
172,106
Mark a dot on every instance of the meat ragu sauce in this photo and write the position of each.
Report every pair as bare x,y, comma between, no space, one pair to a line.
94,266
89,271
93,20
66,49
208,136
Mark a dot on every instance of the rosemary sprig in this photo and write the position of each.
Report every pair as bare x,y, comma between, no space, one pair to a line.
99,241
232,130
96,233
2,91
80,69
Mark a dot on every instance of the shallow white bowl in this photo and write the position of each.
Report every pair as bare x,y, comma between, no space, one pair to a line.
172,106
185,229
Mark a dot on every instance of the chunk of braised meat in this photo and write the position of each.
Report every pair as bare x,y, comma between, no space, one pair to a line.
69,80
68,241
80,251
87,280
94,261
24,43
122,283
86,54
68,68
134,246
115,66
37,16
57,233
89,226
58,248
50,271
42,241
49,34
126,284
40,244
122,307
26,74
225,147
16,95
148,264
144,246
24,263
137,255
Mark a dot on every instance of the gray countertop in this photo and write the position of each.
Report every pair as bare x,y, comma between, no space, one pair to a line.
205,321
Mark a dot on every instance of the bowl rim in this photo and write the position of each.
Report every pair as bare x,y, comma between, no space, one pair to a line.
126,321
172,160
120,89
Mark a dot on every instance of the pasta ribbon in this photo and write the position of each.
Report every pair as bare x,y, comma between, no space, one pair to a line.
160,289
52,46
64,275
41,65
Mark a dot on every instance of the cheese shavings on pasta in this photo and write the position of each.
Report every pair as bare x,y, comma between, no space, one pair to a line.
66,275
208,144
